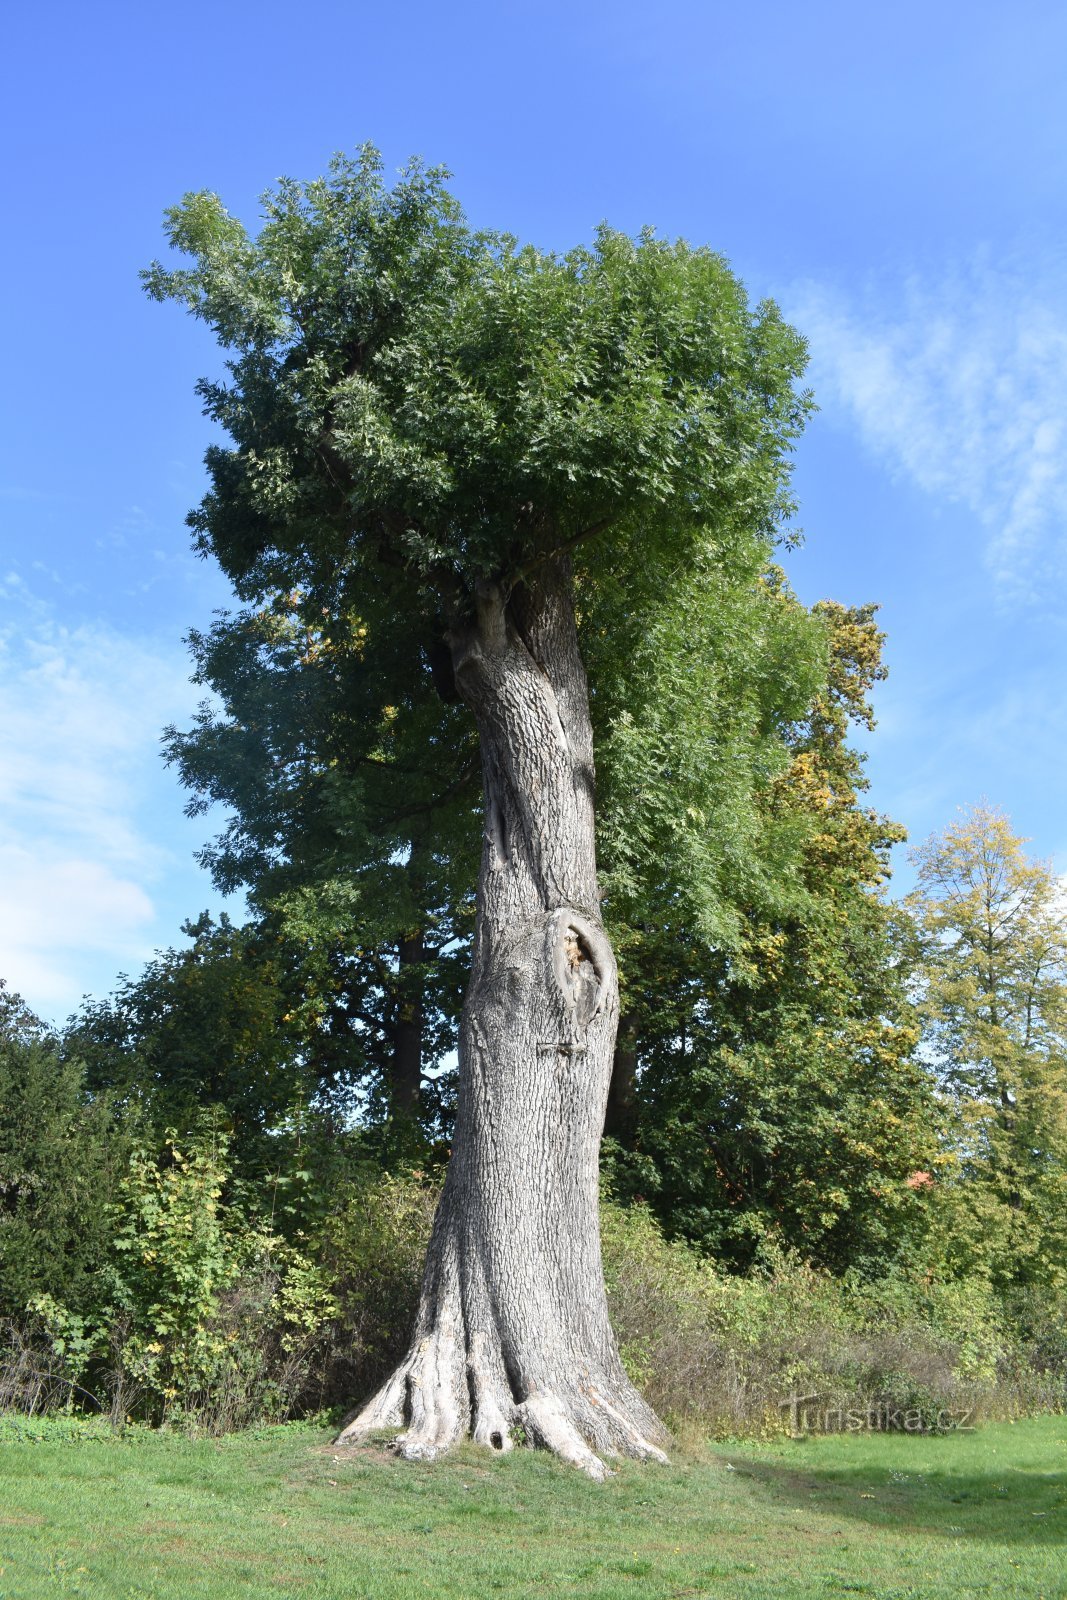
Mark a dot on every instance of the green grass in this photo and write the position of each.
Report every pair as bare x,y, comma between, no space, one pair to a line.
280,1513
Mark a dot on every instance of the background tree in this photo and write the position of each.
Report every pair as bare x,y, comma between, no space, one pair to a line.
994,1012
63,1152
352,789
779,1100
207,1026
272,1032
434,424
685,840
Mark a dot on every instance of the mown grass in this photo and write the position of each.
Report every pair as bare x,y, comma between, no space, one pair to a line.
281,1513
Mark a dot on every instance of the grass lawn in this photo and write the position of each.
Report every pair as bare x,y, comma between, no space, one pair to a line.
280,1513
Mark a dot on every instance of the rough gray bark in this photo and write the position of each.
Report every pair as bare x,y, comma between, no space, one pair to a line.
513,1326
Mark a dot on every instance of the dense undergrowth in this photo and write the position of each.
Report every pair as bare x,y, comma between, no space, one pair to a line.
205,1316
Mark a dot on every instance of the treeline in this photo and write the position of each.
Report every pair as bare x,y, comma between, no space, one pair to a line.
216,1184
802,1064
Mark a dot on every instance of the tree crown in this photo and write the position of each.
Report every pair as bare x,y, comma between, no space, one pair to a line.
408,391
416,408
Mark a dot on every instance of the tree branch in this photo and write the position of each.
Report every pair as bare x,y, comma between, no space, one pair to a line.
562,549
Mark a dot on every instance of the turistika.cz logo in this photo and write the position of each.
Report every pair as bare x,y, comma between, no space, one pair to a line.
806,1415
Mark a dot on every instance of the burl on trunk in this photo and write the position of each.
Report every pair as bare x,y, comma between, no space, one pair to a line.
512,1329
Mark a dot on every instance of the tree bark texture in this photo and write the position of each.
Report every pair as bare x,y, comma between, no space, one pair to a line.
512,1329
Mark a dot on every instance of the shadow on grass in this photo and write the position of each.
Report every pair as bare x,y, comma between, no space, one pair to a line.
1008,1504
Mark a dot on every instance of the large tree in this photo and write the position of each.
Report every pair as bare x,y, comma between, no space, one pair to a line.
439,435
351,802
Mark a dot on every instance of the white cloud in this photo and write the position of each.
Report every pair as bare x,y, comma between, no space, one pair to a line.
56,911
960,383
87,812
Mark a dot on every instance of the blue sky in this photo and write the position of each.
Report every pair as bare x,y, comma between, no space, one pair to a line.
894,176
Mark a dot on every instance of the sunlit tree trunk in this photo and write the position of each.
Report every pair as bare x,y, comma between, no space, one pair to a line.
512,1328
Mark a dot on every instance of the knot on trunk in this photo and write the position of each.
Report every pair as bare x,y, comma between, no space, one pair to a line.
583,966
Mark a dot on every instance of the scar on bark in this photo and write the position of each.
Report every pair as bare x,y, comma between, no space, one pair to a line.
583,966
497,834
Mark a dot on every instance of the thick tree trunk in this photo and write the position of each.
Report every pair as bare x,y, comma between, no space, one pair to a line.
512,1328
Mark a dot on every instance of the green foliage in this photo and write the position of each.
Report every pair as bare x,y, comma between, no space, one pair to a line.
271,1032
175,1262
18,1025
192,1281
778,1101
205,1317
695,685
414,409
373,1248
470,401
202,1315
214,1024
62,1154
994,1009
351,788
719,1352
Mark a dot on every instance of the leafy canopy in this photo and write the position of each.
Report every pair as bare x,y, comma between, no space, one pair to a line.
779,1100
415,407
405,388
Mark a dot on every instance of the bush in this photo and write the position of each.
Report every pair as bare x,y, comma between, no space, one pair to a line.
372,1250
721,1355
206,1318
62,1156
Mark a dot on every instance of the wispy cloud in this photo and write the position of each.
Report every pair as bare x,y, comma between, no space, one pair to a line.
83,844
941,744
959,381
60,915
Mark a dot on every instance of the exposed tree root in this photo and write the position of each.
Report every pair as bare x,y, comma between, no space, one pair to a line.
441,1393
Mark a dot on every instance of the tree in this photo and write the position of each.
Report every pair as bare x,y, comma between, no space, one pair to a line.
266,1032
440,434
994,1009
339,770
62,1156
211,1025
359,857
779,1098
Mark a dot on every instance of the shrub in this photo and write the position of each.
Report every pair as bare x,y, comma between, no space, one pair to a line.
62,1156
372,1249
205,1317
208,1319
721,1354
